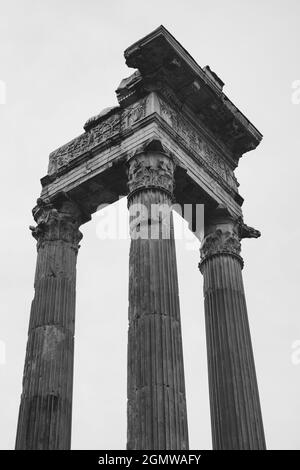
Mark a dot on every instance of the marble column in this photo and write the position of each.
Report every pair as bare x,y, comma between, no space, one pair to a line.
46,402
157,416
234,400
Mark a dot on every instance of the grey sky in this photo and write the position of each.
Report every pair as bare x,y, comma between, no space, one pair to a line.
61,62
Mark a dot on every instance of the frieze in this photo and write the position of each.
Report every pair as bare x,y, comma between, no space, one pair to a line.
197,144
98,134
133,113
84,143
123,120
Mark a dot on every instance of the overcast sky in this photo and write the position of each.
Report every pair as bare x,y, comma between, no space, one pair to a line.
61,62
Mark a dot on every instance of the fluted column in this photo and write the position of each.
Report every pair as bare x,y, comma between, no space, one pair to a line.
234,400
157,417
46,402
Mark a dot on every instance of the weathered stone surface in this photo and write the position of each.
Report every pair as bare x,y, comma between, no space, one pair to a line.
235,408
180,138
157,416
164,64
45,414
171,98
75,167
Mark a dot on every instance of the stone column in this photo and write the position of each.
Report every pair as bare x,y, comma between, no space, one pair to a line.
46,402
235,409
157,416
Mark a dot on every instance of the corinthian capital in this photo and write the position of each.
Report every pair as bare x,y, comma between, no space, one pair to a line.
57,223
151,170
220,241
222,236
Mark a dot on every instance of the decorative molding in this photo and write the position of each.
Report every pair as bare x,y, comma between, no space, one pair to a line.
112,125
128,87
197,88
56,224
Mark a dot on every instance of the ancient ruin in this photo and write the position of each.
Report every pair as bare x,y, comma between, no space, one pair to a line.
174,137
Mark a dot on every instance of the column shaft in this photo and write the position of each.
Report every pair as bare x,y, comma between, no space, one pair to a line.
235,408
45,414
157,417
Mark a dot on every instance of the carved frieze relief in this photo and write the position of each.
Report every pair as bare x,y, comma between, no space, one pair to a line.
84,143
123,120
133,113
192,138
98,134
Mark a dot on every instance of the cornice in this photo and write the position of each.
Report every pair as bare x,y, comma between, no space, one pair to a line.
159,56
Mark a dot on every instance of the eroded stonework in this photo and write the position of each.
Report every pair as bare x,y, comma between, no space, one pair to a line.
102,132
151,171
57,224
113,129
97,133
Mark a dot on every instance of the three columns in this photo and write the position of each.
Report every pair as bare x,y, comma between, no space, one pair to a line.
157,416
